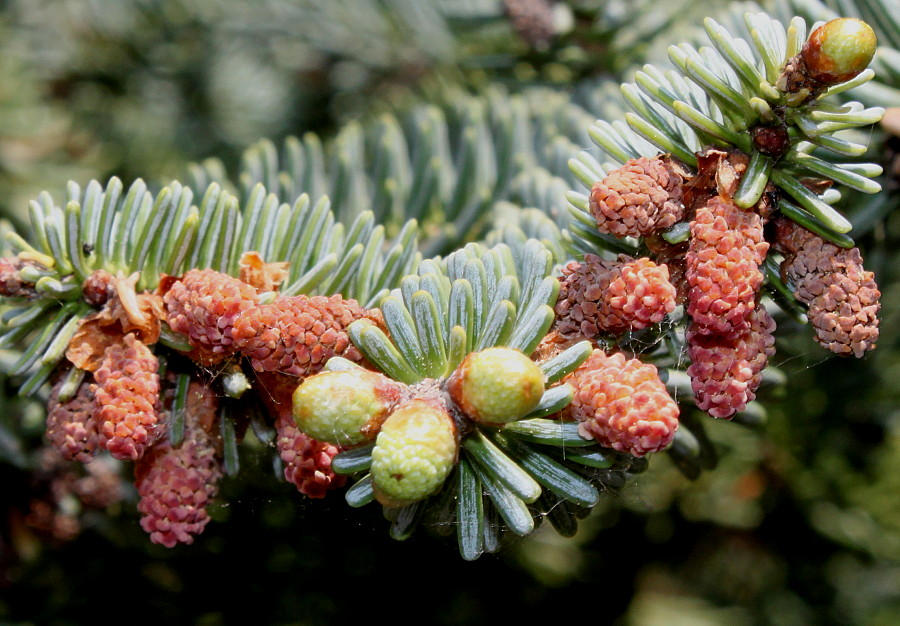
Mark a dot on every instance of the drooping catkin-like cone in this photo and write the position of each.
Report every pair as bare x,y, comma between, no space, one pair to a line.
176,484
126,395
600,296
622,404
725,370
842,296
641,197
72,426
203,305
307,462
296,335
723,259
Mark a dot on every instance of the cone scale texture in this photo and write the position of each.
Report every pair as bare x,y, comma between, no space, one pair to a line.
307,462
296,335
842,296
639,198
622,404
725,370
126,398
176,484
72,426
600,296
723,259
203,305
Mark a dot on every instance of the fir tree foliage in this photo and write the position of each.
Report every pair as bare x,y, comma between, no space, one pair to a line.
529,468
126,231
716,97
401,195
444,163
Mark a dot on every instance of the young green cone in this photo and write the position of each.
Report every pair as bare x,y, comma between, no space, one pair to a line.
497,385
414,453
839,50
346,407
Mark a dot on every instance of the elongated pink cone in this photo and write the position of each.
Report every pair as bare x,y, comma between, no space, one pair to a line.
127,399
177,483
842,296
72,426
297,335
723,260
726,371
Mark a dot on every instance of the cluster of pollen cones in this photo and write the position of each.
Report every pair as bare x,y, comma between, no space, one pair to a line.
716,274
126,399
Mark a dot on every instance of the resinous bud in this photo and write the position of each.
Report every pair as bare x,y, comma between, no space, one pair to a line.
839,50
345,407
497,385
414,453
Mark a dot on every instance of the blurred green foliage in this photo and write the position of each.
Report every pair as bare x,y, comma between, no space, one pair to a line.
799,523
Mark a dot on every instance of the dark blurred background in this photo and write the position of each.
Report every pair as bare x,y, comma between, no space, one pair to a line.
798,524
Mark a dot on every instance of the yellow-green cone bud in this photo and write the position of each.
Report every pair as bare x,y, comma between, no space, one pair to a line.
839,50
497,385
414,453
345,407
